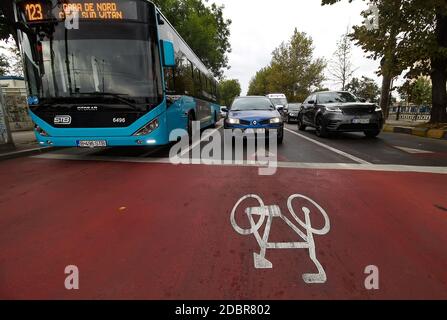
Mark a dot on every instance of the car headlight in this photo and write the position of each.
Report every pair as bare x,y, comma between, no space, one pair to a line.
275,120
334,109
378,109
233,121
147,129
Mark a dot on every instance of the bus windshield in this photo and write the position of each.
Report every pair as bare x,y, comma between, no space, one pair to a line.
121,58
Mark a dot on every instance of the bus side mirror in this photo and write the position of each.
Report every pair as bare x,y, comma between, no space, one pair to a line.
167,48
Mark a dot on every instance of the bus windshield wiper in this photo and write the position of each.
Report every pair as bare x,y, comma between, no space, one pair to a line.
123,97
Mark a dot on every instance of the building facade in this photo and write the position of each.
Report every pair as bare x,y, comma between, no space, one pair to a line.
14,91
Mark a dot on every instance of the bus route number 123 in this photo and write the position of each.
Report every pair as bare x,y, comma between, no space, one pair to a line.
34,11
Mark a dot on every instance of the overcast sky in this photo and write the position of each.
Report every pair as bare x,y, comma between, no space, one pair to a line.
260,26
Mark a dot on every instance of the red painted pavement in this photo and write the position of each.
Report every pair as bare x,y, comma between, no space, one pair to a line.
174,240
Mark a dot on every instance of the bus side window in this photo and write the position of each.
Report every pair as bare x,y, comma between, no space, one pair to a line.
197,84
170,80
182,73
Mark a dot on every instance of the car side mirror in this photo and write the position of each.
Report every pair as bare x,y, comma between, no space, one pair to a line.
311,102
362,100
167,48
225,110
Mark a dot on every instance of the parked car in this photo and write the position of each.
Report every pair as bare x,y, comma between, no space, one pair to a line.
257,113
340,111
279,100
223,111
291,113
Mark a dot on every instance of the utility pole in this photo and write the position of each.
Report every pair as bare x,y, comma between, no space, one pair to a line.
6,142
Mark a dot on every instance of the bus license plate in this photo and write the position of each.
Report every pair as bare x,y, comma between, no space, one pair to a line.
360,121
92,143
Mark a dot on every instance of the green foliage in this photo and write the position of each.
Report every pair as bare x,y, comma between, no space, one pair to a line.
292,71
228,90
203,27
417,91
365,88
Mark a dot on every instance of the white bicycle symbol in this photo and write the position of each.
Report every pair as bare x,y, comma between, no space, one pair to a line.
274,211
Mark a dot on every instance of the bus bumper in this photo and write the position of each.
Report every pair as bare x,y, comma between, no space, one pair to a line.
156,138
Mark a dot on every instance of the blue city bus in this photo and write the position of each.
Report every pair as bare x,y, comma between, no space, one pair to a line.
104,73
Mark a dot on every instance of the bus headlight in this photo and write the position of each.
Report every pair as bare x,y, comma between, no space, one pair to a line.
147,129
40,131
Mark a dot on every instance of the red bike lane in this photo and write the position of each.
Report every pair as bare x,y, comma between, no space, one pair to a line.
157,231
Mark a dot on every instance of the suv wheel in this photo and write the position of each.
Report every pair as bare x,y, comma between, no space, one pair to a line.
320,128
372,134
301,125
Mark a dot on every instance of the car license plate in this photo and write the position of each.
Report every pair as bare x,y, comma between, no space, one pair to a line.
360,121
92,143
256,131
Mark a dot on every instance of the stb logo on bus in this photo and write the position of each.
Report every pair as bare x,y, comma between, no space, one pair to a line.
64,120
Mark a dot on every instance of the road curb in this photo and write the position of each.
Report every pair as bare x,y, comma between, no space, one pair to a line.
420,132
24,153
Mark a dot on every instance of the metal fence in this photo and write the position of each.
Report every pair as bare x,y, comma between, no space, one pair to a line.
410,113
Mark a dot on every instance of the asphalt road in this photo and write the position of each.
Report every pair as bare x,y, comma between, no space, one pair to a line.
137,226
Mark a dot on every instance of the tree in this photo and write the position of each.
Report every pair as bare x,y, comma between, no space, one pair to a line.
292,71
203,27
411,35
228,90
422,91
14,65
341,68
365,88
259,84
4,64
417,91
6,20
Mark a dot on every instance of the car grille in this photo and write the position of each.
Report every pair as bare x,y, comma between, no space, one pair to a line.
245,122
354,111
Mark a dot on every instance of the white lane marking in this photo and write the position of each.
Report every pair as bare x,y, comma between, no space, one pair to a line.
413,151
261,153
287,165
271,212
195,144
342,153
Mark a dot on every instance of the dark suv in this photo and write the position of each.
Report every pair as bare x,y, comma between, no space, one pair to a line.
340,111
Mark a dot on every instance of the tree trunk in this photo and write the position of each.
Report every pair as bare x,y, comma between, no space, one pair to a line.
385,95
439,72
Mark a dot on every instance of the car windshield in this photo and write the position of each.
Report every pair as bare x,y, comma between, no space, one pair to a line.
334,97
243,104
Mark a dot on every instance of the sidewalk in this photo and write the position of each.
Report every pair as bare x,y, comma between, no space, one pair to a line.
25,144
416,128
